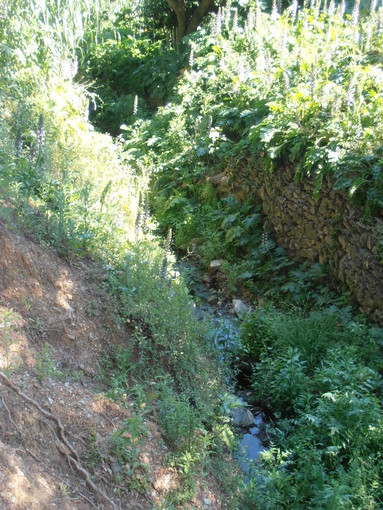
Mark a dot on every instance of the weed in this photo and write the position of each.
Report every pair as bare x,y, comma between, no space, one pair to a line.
92,310
302,86
178,418
27,303
93,453
45,365
315,374
8,326
64,490
127,442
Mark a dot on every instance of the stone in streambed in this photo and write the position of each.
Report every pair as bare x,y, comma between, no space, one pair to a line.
213,299
215,265
242,417
240,307
206,278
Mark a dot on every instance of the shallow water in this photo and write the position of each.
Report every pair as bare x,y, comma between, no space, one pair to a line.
251,446
226,339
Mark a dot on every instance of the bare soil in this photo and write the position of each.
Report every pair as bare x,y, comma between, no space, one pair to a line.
56,323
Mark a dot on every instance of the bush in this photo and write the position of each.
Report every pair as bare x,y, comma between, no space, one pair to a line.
318,375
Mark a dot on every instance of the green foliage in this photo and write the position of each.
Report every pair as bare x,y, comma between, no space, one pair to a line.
303,87
128,441
77,191
178,418
169,335
45,34
46,366
319,375
126,65
256,333
66,181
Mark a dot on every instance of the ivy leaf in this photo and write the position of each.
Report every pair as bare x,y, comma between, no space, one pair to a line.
376,170
342,182
356,184
246,275
251,220
377,334
267,134
376,196
233,233
329,396
333,156
176,201
230,219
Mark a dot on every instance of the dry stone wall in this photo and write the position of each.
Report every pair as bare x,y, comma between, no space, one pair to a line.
329,229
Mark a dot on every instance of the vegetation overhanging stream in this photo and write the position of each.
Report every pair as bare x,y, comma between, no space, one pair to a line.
226,338
249,90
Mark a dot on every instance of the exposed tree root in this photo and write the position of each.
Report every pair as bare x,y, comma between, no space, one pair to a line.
62,444
10,417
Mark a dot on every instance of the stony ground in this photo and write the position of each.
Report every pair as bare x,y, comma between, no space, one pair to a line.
56,323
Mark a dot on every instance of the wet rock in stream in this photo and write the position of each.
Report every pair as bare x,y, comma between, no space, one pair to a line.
243,417
240,307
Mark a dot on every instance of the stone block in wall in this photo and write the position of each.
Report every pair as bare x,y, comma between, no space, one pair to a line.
310,231
266,207
310,254
342,241
325,206
352,251
262,192
371,243
330,229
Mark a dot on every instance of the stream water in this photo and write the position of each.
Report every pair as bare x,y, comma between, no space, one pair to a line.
226,338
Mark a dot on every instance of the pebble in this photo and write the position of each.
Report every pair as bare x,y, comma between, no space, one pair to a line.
216,264
212,300
207,501
116,468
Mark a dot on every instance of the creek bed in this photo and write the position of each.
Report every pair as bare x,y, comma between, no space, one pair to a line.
226,338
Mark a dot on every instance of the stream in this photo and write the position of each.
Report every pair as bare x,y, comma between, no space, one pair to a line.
208,300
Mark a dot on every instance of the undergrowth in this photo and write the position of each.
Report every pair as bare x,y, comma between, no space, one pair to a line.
320,377
304,86
75,190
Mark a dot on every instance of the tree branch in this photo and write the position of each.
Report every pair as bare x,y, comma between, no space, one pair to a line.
198,15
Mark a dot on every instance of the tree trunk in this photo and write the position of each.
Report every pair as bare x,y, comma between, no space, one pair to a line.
178,6
198,15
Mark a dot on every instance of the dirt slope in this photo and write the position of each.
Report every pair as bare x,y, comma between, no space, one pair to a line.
55,324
